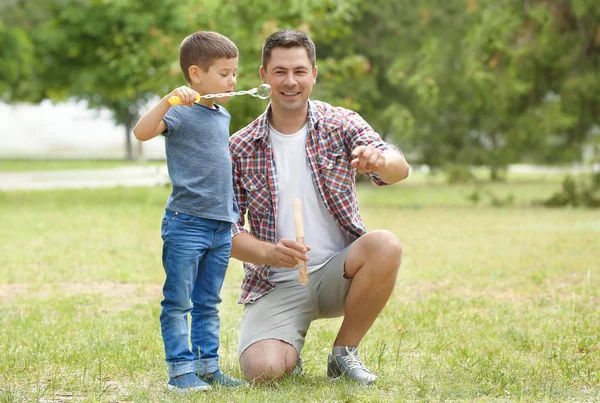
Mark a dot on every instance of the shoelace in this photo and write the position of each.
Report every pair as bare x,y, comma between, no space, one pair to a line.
353,361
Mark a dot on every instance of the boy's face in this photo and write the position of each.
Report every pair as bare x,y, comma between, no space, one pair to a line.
291,76
220,77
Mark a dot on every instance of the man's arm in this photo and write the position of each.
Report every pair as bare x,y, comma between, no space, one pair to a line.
247,248
390,165
370,154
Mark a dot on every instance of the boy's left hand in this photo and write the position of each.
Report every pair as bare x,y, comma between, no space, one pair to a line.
367,159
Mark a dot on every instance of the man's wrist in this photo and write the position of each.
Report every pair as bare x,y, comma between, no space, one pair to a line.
268,252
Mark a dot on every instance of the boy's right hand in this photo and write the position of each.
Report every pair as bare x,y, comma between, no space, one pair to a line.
183,96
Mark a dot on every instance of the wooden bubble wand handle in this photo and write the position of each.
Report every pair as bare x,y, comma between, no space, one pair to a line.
302,271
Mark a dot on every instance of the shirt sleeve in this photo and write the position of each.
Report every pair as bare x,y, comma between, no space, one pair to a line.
239,194
360,133
172,120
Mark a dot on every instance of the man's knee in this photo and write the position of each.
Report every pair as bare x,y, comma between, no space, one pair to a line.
264,361
385,243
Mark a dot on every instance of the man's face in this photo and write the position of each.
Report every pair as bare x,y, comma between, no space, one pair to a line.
291,77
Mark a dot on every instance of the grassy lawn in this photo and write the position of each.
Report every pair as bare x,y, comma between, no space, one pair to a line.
491,304
22,165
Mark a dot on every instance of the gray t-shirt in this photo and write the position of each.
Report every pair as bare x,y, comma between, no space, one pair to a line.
197,148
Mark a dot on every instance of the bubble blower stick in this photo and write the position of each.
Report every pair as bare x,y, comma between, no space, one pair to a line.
263,92
302,272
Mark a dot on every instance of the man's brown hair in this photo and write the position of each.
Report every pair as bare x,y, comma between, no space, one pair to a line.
288,39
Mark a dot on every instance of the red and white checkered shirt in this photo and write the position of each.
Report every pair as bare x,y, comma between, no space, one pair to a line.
333,133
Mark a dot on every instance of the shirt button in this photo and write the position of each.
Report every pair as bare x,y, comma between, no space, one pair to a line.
330,166
252,187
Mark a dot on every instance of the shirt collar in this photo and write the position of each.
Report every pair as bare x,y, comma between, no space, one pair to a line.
314,115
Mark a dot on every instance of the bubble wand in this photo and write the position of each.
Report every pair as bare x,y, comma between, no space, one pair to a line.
263,92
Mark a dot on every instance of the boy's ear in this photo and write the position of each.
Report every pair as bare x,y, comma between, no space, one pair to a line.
196,74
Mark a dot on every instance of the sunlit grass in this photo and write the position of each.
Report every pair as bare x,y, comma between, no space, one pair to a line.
491,304
20,165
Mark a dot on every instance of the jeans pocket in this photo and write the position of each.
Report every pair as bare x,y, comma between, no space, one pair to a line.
183,217
164,228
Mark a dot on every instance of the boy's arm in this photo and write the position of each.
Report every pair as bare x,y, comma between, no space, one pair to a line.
151,124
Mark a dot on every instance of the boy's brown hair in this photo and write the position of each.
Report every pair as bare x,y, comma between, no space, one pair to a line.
202,48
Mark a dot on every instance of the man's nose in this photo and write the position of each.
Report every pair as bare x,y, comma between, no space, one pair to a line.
290,79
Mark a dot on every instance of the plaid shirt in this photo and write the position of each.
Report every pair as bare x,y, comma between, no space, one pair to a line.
333,133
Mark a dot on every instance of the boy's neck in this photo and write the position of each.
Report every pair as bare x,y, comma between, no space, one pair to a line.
208,102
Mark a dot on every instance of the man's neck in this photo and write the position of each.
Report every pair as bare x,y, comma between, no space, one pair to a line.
288,122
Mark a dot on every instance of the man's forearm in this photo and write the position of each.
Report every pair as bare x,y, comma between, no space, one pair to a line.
396,168
247,248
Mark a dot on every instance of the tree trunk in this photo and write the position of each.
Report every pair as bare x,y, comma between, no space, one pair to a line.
128,147
140,151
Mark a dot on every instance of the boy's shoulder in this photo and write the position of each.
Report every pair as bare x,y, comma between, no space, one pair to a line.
185,114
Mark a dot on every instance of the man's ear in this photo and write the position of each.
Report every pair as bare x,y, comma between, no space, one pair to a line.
196,74
262,73
315,73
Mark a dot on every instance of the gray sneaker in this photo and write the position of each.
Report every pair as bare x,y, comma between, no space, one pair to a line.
299,367
349,366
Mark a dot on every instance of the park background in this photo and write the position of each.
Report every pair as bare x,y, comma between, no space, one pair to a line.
495,103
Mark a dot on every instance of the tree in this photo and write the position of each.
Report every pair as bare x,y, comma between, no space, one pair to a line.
117,54
112,54
482,82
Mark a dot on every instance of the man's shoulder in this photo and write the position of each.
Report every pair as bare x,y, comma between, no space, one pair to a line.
326,109
331,116
243,137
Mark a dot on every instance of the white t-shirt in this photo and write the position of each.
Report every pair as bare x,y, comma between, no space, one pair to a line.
321,232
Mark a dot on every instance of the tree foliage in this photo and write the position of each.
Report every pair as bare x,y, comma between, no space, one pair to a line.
114,54
461,82
484,82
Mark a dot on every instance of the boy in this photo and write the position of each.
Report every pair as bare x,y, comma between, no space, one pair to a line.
196,227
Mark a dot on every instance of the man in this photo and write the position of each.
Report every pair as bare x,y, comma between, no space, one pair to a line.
308,150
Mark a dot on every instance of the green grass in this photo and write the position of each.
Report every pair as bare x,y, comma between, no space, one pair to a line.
22,165
491,304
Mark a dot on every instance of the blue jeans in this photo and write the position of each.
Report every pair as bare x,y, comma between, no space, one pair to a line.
195,256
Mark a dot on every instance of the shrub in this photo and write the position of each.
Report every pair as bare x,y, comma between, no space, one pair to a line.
582,192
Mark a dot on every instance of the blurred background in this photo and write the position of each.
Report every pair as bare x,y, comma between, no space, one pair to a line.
454,83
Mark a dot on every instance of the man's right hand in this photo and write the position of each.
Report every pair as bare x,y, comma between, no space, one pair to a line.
285,252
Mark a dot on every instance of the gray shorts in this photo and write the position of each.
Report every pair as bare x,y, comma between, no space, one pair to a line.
286,312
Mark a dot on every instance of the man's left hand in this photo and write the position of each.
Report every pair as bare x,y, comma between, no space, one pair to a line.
367,159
